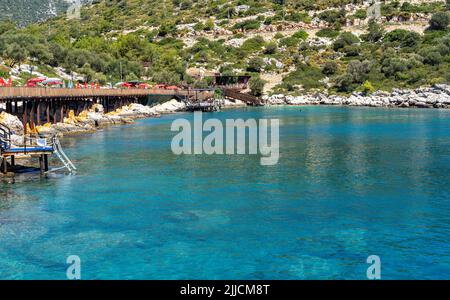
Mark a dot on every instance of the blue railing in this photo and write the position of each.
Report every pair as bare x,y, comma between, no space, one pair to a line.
5,137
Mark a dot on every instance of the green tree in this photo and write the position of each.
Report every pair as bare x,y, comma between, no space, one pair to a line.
367,88
271,48
358,70
375,32
330,68
256,85
344,82
403,38
439,21
255,64
345,39
15,54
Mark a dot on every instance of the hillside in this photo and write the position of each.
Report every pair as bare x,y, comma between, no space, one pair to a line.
296,46
24,12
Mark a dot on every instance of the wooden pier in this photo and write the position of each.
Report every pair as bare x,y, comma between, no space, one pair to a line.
235,94
36,106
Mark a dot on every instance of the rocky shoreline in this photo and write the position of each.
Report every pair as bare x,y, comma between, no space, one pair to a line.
437,96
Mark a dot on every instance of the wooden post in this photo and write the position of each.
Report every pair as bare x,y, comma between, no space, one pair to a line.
55,117
38,113
24,117
16,111
47,111
13,162
46,162
41,164
62,114
32,115
4,165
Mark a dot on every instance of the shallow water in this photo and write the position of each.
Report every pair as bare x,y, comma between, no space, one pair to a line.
350,182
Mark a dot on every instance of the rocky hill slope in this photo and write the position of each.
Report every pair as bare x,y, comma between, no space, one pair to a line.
297,46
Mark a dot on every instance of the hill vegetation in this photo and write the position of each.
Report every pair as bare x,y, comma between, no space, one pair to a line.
310,43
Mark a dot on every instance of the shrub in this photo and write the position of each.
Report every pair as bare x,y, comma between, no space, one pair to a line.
431,56
345,39
403,38
255,64
332,16
358,70
301,35
256,85
328,33
344,82
271,48
253,44
367,88
440,21
375,32
308,76
247,25
278,35
329,68
361,14
289,42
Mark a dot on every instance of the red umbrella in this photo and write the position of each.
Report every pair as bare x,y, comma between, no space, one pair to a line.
144,86
34,81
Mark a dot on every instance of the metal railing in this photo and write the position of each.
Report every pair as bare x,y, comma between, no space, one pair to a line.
5,137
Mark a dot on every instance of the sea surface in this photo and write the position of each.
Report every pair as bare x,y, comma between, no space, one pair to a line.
350,183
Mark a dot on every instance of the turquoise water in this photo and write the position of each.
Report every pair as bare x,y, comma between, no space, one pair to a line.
350,182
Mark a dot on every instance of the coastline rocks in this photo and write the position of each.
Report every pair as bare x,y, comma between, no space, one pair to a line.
437,96
137,111
88,121
12,122
236,103
169,107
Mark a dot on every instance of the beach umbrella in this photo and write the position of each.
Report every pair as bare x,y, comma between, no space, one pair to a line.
124,84
144,86
33,82
52,81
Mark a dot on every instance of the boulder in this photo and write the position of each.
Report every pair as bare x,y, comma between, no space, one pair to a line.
12,122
